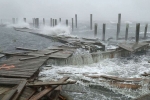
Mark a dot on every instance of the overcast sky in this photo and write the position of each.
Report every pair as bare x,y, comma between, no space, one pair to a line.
101,9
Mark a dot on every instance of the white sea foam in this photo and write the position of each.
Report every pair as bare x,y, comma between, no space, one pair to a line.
19,24
127,67
57,30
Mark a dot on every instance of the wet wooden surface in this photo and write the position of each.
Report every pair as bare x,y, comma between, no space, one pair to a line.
132,46
22,69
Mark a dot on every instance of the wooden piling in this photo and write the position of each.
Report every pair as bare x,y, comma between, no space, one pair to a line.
13,20
24,19
95,29
51,22
60,20
55,22
16,20
33,19
145,31
76,20
43,21
72,24
119,22
91,21
137,32
66,22
127,29
37,22
104,30
117,36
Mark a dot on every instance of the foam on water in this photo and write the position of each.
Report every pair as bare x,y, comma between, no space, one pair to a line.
19,24
56,30
131,67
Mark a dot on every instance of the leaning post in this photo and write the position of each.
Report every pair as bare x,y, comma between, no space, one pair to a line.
127,29
66,22
145,31
104,30
72,24
91,21
76,20
137,32
95,29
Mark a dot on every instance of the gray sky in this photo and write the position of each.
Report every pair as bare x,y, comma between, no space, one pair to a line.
136,10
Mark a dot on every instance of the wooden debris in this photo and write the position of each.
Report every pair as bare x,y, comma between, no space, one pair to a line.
133,46
47,90
28,58
10,94
27,49
125,85
46,83
19,89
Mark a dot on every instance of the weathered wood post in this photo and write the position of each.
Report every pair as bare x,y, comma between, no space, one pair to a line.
16,20
43,21
59,20
127,29
33,19
37,22
51,22
76,20
95,29
55,22
145,31
72,24
117,35
91,21
137,32
104,30
119,22
24,19
13,20
66,22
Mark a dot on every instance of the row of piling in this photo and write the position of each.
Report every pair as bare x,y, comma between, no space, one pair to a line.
54,22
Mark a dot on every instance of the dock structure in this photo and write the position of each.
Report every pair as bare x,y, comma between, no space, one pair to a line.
19,72
132,47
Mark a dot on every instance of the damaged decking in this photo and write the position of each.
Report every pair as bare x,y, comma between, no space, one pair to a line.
131,47
20,69
26,65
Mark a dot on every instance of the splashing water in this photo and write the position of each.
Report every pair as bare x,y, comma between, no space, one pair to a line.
56,30
19,24
131,67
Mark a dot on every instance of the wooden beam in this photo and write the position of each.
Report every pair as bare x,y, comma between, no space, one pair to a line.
27,49
20,89
47,90
10,94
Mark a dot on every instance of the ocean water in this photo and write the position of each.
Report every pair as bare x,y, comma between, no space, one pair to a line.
130,67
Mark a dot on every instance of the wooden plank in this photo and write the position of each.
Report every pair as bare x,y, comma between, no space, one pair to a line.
28,58
42,93
20,89
10,94
61,54
27,49
26,94
47,90
46,83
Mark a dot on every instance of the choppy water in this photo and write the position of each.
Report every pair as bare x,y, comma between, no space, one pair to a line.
123,67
